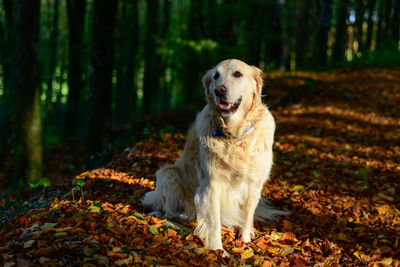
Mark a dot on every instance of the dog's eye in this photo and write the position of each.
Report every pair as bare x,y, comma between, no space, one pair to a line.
237,74
216,75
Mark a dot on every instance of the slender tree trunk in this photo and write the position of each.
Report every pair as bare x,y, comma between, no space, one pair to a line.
8,56
304,31
166,90
289,23
339,47
388,21
254,33
193,63
370,24
396,24
76,10
133,52
53,53
360,10
379,31
210,19
321,38
151,76
126,49
122,99
274,46
227,30
28,161
102,59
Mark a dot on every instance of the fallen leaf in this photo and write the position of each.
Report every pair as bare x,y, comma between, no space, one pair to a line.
29,243
297,188
357,254
286,251
262,243
48,225
248,253
60,234
386,261
94,208
153,230
383,250
274,250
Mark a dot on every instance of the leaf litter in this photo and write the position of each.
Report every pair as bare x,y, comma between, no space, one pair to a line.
336,168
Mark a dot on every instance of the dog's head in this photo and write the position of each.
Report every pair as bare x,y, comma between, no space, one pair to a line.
233,87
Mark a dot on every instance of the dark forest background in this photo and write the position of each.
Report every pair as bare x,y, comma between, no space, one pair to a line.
79,68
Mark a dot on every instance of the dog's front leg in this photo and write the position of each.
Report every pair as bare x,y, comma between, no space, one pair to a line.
249,209
207,201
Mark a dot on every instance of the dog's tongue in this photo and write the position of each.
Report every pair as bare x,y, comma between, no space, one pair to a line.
224,105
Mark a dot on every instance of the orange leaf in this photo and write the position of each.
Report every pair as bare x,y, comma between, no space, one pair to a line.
262,243
288,236
23,220
171,233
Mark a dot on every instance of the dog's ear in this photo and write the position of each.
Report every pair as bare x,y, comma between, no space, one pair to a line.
257,75
207,80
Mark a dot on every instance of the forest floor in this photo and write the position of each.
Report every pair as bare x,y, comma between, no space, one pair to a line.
337,169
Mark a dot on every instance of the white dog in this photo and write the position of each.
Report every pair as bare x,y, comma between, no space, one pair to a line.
226,160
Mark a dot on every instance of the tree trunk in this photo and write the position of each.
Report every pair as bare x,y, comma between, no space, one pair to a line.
388,21
151,76
274,45
53,54
396,24
8,56
127,46
339,47
122,100
379,31
321,38
192,61
102,59
370,24
289,23
76,10
304,31
165,88
28,160
360,9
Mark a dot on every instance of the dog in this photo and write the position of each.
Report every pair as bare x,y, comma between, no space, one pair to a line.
226,160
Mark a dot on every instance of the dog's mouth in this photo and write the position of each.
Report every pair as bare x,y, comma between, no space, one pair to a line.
229,108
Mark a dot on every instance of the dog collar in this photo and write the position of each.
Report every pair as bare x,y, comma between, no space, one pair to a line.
219,132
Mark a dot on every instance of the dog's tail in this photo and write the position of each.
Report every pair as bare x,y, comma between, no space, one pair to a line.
265,211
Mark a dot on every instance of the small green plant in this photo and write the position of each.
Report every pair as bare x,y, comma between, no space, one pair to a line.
78,184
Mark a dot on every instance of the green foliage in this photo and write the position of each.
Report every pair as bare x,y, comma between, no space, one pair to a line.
44,181
387,57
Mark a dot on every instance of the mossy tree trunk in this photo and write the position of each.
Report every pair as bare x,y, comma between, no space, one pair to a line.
28,161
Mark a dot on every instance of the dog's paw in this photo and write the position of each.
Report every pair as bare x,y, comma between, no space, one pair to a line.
248,235
156,213
225,254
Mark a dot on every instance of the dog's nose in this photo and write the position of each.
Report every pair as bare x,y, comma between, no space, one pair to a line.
220,90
